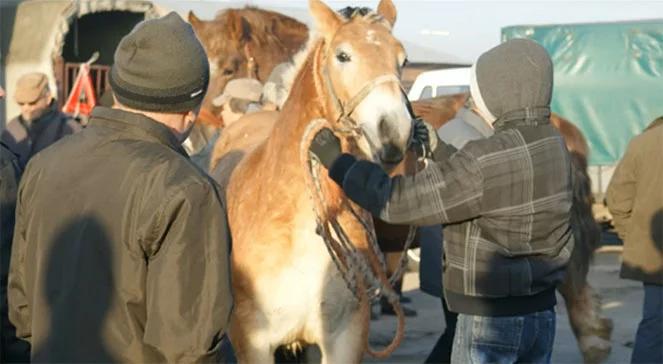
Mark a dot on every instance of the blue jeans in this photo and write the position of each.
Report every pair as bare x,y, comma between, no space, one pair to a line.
649,338
509,339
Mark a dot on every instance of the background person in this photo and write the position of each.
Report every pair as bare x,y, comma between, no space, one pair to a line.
40,123
635,200
466,126
241,95
12,349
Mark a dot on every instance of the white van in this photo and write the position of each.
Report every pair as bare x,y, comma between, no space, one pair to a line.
443,82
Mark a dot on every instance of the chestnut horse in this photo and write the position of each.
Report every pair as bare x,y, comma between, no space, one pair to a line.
286,286
590,327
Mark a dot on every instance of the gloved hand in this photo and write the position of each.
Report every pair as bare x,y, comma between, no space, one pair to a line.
326,146
424,138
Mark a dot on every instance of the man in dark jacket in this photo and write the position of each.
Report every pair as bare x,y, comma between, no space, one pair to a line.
467,125
40,123
504,201
121,248
635,200
12,350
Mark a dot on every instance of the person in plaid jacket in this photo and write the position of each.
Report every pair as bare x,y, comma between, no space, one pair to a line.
504,201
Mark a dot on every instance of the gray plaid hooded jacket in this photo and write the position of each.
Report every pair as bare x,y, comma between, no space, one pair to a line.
505,200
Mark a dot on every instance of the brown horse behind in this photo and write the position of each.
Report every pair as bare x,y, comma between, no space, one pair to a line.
247,42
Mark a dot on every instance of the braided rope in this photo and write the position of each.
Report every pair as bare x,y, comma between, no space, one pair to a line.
351,263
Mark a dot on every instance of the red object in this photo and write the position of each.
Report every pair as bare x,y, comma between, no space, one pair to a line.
82,98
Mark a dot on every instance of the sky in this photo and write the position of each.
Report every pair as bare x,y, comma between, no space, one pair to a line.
462,30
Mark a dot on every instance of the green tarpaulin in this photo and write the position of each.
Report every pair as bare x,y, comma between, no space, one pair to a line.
608,79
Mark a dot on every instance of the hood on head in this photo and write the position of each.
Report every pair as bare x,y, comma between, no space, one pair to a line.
515,75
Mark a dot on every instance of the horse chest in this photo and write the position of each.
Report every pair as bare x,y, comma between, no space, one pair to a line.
307,294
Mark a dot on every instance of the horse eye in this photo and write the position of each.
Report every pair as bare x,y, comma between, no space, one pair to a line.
343,57
228,71
405,62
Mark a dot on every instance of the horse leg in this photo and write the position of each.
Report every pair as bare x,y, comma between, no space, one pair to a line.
347,342
591,328
249,345
250,351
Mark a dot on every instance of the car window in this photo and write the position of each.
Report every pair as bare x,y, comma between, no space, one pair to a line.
426,93
451,90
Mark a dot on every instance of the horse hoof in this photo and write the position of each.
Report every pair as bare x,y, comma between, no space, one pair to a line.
595,349
606,326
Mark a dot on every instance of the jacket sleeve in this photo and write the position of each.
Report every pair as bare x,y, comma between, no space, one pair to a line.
19,310
188,289
621,191
446,191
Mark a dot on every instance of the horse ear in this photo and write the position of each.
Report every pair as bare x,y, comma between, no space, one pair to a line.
326,19
388,11
243,29
194,21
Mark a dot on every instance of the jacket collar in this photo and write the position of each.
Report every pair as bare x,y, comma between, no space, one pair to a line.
530,116
136,124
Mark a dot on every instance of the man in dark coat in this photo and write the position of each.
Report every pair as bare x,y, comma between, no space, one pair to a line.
635,200
467,125
12,349
504,201
40,123
121,248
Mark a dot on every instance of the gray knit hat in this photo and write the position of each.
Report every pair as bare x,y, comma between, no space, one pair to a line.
160,66
515,75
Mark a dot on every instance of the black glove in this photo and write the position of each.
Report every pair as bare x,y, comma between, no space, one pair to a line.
424,138
326,146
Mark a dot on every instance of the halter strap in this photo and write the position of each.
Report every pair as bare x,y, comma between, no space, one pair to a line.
349,126
251,65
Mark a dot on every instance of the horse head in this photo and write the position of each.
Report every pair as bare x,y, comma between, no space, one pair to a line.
246,42
359,68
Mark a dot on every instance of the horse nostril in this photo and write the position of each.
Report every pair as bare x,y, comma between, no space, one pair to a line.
384,128
391,153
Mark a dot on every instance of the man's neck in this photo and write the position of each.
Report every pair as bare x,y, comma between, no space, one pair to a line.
173,121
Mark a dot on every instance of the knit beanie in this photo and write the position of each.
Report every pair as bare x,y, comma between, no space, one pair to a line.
160,66
515,75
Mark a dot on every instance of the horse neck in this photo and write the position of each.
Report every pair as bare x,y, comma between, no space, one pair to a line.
306,103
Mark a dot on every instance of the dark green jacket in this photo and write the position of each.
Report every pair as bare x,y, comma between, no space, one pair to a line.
121,249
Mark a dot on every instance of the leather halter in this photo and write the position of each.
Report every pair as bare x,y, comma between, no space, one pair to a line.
251,65
348,125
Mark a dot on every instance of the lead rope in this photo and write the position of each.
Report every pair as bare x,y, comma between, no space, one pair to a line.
351,263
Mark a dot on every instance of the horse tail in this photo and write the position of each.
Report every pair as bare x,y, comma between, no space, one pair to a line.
591,328
586,231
